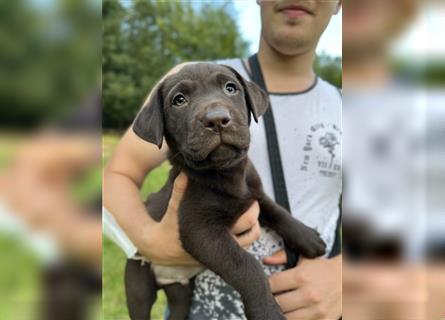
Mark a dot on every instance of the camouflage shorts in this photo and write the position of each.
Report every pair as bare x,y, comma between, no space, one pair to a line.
213,299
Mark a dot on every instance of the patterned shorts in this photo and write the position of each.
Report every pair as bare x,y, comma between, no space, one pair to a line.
213,299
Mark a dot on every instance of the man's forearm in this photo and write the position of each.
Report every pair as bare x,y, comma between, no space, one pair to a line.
123,201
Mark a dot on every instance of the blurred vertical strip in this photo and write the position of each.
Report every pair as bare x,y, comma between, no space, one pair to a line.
50,159
394,159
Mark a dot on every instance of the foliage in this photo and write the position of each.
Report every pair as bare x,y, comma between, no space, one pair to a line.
144,39
49,60
424,72
329,69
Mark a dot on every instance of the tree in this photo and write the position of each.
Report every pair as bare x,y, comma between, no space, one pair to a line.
329,69
144,39
118,86
50,60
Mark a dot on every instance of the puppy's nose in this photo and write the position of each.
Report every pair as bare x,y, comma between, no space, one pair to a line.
216,118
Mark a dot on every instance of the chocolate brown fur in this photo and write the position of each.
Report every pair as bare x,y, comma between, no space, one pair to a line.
208,139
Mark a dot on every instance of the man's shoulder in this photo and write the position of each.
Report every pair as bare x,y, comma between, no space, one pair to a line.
328,90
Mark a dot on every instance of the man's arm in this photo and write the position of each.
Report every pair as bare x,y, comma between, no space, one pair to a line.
124,174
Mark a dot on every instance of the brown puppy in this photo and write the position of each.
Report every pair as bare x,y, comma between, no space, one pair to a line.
204,111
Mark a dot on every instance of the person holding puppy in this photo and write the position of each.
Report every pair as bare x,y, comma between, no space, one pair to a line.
307,113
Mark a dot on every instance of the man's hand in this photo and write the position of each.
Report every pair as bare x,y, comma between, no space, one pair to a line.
311,290
161,243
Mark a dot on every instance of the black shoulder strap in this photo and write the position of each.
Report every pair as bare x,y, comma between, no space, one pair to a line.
273,149
279,183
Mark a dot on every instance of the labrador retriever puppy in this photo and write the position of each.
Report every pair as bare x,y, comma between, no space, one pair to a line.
203,112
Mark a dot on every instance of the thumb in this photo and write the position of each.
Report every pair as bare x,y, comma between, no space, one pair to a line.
277,258
179,186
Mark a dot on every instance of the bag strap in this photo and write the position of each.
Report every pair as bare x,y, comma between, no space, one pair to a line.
273,149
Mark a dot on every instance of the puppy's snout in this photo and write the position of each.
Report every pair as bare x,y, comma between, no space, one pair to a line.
217,118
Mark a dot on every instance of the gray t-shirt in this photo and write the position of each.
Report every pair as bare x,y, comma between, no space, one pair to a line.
309,133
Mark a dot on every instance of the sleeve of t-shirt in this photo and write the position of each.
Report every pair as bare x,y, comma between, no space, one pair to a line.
114,232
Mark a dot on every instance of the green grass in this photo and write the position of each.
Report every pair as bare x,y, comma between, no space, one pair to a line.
113,258
19,268
19,280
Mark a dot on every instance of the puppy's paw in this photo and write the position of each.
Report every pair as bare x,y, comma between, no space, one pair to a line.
308,242
313,246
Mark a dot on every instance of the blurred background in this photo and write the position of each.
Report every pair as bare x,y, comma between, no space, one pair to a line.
50,159
393,159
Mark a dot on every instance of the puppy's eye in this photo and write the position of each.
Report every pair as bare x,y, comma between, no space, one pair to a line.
230,88
179,100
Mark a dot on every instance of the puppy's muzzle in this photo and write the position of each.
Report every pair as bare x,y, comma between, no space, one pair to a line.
216,119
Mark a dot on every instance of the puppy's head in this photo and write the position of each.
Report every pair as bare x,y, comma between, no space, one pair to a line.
203,111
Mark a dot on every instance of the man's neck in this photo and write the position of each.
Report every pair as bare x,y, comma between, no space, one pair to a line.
370,71
284,73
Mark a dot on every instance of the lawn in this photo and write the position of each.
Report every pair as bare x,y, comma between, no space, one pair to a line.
19,269
19,279
113,259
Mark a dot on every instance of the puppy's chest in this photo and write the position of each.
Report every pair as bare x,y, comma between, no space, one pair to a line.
229,202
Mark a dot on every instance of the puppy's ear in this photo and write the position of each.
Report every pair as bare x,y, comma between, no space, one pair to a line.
149,123
257,100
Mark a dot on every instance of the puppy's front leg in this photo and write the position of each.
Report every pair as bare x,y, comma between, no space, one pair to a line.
214,247
297,236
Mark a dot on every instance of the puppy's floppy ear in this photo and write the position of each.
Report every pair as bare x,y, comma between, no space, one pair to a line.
149,123
257,100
